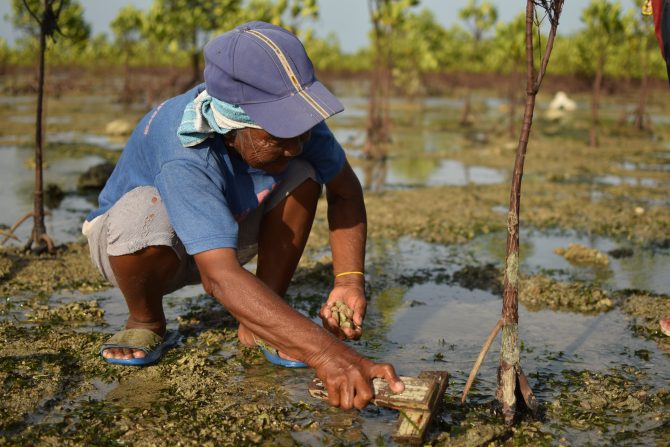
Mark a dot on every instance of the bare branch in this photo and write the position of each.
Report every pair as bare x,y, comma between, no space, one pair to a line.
550,43
50,245
8,234
553,9
30,11
526,391
480,358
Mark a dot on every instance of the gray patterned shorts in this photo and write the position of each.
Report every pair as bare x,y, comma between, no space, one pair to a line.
139,220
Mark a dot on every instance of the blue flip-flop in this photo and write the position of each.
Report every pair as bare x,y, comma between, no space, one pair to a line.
272,355
145,340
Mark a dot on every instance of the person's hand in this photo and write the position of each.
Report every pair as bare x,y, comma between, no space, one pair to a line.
352,296
348,376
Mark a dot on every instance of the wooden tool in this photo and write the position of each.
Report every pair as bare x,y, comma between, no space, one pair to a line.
417,404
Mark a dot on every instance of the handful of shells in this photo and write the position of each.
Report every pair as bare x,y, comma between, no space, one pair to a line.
343,314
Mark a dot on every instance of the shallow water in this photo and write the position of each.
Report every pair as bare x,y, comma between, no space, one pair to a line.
644,269
413,173
16,184
433,325
103,141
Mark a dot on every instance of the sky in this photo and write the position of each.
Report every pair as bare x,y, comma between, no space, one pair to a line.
348,19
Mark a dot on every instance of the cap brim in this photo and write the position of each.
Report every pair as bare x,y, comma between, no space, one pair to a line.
296,114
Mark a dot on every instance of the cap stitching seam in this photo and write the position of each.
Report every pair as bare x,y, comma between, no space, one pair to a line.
291,74
270,53
233,64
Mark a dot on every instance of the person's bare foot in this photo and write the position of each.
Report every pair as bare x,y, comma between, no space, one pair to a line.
665,325
248,339
126,353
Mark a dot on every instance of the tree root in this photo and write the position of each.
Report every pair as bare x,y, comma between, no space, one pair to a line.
480,358
50,243
39,248
10,233
527,392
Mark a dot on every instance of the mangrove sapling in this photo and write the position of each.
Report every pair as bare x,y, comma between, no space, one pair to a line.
385,16
47,18
479,18
603,30
509,370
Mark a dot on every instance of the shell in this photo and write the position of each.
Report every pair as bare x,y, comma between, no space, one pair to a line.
343,314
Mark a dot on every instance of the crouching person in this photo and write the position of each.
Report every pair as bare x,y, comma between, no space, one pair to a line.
224,172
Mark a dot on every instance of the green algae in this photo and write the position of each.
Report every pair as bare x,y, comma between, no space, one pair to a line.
645,309
483,277
612,407
465,212
619,397
581,255
237,399
44,371
5,267
479,422
78,111
40,367
68,268
542,292
78,311
75,150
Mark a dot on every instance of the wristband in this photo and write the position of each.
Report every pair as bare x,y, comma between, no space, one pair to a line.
349,273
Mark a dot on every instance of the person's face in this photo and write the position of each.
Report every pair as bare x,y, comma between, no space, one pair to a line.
264,151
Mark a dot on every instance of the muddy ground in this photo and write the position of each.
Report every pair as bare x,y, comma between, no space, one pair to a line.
425,255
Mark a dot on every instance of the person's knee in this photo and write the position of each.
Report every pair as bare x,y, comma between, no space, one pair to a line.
153,264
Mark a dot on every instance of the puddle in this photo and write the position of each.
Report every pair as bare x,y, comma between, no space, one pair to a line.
92,139
428,325
30,119
644,269
628,166
415,173
15,193
632,181
432,325
17,183
16,100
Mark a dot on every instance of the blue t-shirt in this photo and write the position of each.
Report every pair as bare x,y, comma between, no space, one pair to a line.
205,190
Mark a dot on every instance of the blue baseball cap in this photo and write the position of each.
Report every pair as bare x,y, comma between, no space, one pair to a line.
265,70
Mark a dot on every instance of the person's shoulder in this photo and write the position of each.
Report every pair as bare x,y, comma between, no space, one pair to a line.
321,129
161,123
178,103
200,154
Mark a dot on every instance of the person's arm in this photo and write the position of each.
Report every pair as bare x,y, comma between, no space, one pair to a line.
347,222
346,374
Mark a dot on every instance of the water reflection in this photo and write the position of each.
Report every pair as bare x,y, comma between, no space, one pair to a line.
454,321
645,269
17,185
